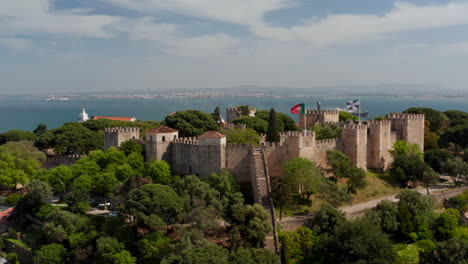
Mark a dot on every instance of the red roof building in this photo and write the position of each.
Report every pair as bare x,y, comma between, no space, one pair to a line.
115,118
212,134
162,129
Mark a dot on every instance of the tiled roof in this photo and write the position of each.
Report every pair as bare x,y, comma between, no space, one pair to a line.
116,118
162,129
212,134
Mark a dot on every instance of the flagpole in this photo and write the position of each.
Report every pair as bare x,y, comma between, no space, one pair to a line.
359,110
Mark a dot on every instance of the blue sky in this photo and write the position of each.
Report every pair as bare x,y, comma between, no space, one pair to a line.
50,46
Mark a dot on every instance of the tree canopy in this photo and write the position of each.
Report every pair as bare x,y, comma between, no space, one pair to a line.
191,123
16,135
303,176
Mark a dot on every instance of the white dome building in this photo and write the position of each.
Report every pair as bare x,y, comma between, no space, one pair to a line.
83,116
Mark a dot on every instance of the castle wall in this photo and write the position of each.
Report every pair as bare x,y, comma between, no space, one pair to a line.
233,113
379,142
114,137
354,144
238,161
188,157
320,155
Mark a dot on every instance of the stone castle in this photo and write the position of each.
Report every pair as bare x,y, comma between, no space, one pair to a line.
367,144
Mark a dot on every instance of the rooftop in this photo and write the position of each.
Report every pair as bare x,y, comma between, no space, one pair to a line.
162,129
212,134
115,118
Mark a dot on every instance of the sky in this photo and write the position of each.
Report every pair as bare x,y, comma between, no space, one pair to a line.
70,46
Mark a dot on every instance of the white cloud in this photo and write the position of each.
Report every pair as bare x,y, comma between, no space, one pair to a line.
330,30
35,17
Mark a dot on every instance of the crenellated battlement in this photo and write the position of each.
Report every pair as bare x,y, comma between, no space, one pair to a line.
355,127
187,139
231,109
402,116
121,129
235,146
326,141
379,122
184,142
234,126
321,112
297,134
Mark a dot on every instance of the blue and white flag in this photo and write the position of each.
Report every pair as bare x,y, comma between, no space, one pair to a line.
353,106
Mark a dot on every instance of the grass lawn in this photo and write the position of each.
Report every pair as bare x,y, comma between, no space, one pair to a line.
19,243
378,185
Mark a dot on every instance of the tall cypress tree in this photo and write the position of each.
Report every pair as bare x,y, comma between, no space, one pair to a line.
273,128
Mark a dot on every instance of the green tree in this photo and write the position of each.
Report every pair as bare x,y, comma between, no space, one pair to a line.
303,176
152,247
12,199
38,192
40,129
327,131
446,224
272,134
357,242
124,257
429,177
207,253
408,255
18,162
457,169
255,123
253,256
191,123
16,135
224,183
457,117
326,219
333,194
457,135
105,183
436,157
253,224
387,212
453,251
160,172
356,179
241,136
339,164
217,115
281,195
71,138
59,178
51,254
107,249
131,146
153,205
285,123
302,245
347,116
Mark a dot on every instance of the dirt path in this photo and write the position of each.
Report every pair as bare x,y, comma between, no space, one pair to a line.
439,191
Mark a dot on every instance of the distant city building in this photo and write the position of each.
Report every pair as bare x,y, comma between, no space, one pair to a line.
116,118
83,116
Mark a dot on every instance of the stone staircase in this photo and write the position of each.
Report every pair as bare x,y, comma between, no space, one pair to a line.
261,191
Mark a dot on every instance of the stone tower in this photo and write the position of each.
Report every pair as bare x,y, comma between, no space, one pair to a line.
233,113
158,142
378,143
354,144
409,127
313,117
115,136
212,152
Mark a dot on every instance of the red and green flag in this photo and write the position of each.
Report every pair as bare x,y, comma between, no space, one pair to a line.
298,109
